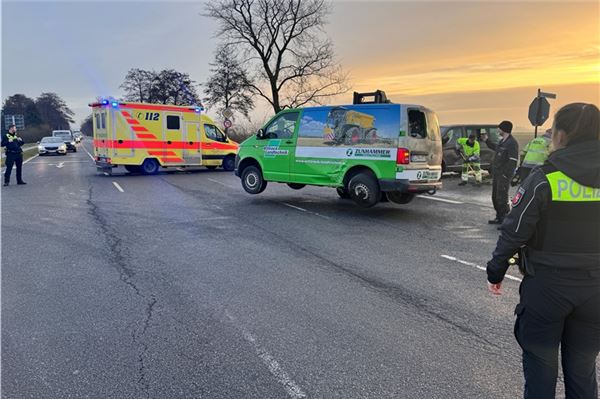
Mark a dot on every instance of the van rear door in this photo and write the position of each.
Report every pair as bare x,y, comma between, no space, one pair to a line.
102,142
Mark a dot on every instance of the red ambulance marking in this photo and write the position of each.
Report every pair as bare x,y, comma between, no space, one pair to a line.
132,121
145,135
161,108
126,114
172,159
139,129
161,153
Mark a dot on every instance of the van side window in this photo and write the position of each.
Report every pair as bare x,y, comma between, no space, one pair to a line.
172,122
103,124
97,117
213,133
453,134
282,127
417,127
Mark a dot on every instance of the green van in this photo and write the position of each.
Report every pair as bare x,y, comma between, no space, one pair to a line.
368,151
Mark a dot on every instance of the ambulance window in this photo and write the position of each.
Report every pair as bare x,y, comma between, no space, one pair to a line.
416,124
172,122
103,124
97,116
282,127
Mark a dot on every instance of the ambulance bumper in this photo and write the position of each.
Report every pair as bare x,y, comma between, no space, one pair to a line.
406,186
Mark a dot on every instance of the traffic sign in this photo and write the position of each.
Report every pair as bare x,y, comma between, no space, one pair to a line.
539,111
227,113
17,120
227,123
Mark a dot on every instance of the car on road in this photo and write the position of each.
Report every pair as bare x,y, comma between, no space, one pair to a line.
67,137
367,151
77,136
452,162
52,145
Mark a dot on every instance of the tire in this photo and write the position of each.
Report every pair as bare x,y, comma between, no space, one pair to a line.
384,197
75,149
352,135
296,186
229,163
149,167
343,193
211,167
371,136
364,190
444,166
400,198
252,180
132,168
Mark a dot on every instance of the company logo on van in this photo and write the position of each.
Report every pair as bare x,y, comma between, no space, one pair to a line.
370,153
272,149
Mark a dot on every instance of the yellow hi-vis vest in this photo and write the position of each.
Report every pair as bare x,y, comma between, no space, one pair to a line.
536,152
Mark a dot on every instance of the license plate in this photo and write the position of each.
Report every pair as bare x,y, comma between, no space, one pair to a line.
418,158
413,175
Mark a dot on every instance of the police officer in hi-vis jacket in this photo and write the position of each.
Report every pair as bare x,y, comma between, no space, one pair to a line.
14,154
555,226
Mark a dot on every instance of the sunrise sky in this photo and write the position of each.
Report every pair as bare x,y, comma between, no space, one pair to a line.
472,61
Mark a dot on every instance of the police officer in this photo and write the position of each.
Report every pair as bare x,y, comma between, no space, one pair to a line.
556,221
469,150
14,154
534,154
503,168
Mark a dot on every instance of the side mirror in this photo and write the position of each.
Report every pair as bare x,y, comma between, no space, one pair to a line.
260,134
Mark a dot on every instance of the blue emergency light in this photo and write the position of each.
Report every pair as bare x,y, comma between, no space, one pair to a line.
104,102
114,104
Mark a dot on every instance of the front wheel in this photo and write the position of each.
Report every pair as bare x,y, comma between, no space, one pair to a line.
252,180
229,163
296,186
149,167
364,190
400,198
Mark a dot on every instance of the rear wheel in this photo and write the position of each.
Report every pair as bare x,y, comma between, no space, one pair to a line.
343,193
364,190
252,180
229,163
296,186
149,167
400,198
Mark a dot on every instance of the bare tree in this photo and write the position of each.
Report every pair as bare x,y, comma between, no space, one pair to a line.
228,87
285,44
165,87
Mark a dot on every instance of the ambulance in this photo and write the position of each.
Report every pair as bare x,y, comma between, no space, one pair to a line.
145,137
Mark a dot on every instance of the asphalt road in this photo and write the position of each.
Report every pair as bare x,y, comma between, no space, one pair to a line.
181,285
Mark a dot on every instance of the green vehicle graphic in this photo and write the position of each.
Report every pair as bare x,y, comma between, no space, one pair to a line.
350,127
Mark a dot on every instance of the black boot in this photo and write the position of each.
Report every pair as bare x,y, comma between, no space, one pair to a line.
495,221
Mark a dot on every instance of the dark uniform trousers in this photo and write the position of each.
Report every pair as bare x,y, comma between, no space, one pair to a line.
500,185
13,159
559,306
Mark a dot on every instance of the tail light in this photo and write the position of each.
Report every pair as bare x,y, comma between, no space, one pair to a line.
403,156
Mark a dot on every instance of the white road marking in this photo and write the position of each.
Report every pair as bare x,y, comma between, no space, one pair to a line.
85,149
464,262
223,184
305,210
52,164
29,159
118,187
441,199
293,390
60,165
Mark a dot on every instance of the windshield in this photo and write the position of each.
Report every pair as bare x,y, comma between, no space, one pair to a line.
52,140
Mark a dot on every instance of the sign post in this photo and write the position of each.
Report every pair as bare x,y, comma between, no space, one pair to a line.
539,109
17,120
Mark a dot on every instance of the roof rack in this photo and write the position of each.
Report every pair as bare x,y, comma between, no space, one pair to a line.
376,97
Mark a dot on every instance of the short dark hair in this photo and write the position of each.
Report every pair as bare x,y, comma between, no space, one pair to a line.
12,125
580,121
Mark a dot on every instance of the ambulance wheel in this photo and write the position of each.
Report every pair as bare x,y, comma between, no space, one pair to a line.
252,180
343,193
229,163
400,198
296,186
211,167
149,167
364,190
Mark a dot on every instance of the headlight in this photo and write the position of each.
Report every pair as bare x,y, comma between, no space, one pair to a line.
41,148
63,147
72,143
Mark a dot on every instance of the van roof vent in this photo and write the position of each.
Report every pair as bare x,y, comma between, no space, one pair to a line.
376,97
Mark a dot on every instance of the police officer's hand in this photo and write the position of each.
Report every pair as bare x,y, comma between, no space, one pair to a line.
495,288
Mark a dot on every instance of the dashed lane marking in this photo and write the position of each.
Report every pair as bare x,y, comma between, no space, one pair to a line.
292,389
464,262
118,186
305,210
441,199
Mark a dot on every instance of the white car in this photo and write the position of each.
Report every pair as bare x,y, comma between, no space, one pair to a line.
52,145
